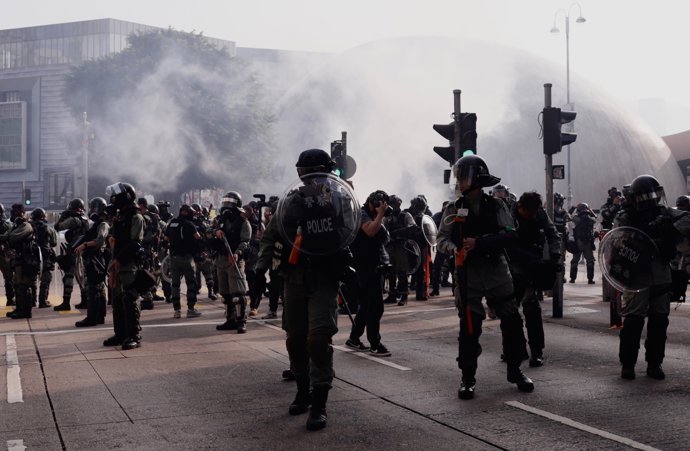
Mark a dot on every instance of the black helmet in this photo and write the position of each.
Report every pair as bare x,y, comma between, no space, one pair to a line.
558,199
314,160
143,201
613,192
76,204
186,210
38,214
500,191
472,172
17,211
646,192
394,201
97,207
163,204
204,211
196,208
582,207
121,195
231,200
2,210
418,205
153,209
683,203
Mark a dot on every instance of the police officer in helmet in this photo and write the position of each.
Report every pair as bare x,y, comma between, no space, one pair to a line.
47,239
5,260
127,236
310,301
75,224
666,227
476,229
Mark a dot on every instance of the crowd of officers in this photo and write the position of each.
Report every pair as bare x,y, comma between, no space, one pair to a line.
498,248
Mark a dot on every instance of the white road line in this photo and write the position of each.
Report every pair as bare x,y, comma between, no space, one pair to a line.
580,426
402,312
15,445
14,383
360,354
364,355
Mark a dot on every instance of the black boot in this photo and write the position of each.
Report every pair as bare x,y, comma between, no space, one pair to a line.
317,415
590,274
466,390
391,298
65,306
516,376
655,345
655,372
303,399
630,344
113,341
403,300
230,315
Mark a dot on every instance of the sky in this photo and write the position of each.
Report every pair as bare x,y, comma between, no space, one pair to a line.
634,50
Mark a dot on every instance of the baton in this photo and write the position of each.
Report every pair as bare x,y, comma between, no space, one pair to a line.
347,306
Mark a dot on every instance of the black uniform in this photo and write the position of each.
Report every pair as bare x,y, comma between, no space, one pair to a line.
46,237
75,226
96,268
25,263
666,227
583,235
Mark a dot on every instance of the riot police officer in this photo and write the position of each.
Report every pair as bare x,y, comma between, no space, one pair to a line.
6,259
164,210
92,250
230,244
26,261
476,228
560,219
609,210
202,258
534,231
127,235
583,236
418,208
666,227
310,281
75,225
184,239
503,192
401,226
47,239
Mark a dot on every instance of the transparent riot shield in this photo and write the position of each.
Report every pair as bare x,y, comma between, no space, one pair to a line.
165,269
413,255
319,215
626,255
429,230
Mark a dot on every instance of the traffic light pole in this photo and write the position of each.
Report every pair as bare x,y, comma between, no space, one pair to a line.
344,141
456,118
557,292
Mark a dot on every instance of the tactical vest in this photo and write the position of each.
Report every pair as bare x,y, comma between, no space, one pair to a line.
42,237
122,229
233,233
72,234
584,229
559,220
180,243
475,226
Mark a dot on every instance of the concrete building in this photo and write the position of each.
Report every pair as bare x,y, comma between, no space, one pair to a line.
41,143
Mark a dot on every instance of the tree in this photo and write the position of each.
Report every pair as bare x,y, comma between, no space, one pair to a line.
172,112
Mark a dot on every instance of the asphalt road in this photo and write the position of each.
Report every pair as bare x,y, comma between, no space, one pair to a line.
191,387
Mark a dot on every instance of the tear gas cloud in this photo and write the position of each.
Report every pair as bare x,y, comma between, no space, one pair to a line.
387,95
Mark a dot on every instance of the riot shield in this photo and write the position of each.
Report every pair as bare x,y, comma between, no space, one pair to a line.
429,230
79,271
319,215
165,269
626,255
413,255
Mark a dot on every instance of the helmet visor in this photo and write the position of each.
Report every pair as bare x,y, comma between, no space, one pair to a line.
114,189
650,199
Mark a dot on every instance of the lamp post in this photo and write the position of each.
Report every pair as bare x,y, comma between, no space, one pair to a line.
554,29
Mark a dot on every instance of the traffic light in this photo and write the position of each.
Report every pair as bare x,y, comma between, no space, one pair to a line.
448,132
468,133
345,165
27,196
554,138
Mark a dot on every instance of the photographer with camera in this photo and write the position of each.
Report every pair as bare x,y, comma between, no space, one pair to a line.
75,225
371,262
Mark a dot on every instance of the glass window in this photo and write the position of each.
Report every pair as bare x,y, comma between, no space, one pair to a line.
13,134
59,189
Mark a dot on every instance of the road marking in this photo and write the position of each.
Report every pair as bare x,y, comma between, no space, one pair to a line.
402,312
14,383
364,355
15,445
578,310
360,354
581,426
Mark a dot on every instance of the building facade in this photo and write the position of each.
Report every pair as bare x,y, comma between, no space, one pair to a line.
43,148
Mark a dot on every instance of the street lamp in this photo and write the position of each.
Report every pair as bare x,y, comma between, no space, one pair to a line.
554,29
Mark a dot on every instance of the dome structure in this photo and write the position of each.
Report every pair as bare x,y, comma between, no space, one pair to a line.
387,94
